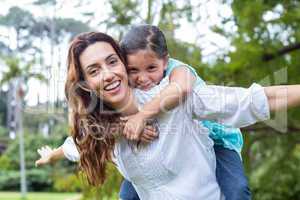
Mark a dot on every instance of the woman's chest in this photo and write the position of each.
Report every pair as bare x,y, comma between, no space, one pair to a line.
143,166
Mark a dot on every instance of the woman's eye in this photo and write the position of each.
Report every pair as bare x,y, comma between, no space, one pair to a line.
93,72
114,61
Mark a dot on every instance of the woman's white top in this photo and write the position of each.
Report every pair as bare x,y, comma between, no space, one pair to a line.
180,164
70,150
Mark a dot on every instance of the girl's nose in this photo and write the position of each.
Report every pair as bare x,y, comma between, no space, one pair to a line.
142,78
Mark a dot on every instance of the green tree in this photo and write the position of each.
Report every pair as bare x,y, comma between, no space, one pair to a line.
265,39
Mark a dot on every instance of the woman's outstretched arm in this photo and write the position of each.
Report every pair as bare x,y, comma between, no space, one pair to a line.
283,96
240,107
49,155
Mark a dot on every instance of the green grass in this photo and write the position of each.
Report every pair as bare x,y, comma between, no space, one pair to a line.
39,196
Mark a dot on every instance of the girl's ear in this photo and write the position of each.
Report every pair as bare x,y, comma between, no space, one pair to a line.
166,60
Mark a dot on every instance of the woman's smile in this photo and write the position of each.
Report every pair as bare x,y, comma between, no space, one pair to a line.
113,87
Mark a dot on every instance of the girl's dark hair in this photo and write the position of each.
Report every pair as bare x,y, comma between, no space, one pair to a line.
92,127
145,37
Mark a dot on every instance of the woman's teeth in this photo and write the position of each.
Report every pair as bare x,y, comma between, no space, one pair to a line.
112,86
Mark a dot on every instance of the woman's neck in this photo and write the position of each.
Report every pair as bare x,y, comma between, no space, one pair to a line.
128,106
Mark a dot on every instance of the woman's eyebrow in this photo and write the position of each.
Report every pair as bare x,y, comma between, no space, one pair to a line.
95,64
91,66
108,57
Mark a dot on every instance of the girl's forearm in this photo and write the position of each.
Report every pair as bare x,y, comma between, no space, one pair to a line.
283,96
181,84
169,98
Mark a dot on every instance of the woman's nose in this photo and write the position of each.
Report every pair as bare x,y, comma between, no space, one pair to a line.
107,75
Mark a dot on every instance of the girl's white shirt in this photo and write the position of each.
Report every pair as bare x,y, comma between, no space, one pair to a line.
181,163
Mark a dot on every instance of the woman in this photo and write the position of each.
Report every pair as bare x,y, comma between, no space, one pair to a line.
168,168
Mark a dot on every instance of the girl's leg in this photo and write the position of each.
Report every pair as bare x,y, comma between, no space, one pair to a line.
230,174
127,191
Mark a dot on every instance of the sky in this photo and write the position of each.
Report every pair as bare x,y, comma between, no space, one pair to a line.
210,43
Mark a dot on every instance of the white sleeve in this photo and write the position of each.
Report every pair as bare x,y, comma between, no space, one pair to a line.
233,106
70,150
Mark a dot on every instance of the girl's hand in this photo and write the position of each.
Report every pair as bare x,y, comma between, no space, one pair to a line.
136,129
134,126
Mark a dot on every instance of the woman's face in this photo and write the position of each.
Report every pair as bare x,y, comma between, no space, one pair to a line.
105,73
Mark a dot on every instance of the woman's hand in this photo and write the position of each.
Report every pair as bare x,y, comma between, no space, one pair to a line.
49,155
149,134
45,153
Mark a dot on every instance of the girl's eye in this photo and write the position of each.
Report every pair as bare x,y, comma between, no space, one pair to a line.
152,68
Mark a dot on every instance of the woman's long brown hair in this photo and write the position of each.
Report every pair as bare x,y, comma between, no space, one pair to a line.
92,122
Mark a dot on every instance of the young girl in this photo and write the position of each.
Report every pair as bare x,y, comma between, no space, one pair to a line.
148,62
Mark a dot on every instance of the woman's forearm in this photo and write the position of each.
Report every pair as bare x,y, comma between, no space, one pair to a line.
282,96
57,154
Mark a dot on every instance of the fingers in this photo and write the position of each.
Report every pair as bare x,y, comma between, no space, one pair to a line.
38,163
149,130
145,139
125,119
132,131
133,136
44,151
149,134
127,132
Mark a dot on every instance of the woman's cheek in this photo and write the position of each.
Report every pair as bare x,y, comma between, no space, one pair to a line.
94,83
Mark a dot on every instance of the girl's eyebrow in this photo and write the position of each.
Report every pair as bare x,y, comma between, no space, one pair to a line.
132,67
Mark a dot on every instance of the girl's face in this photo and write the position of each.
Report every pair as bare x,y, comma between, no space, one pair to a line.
105,73
145,69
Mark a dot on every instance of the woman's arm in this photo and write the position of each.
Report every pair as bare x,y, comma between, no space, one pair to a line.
283,96
67,150
240,107
49,155
233,106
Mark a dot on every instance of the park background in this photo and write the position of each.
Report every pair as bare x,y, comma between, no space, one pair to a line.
228,42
